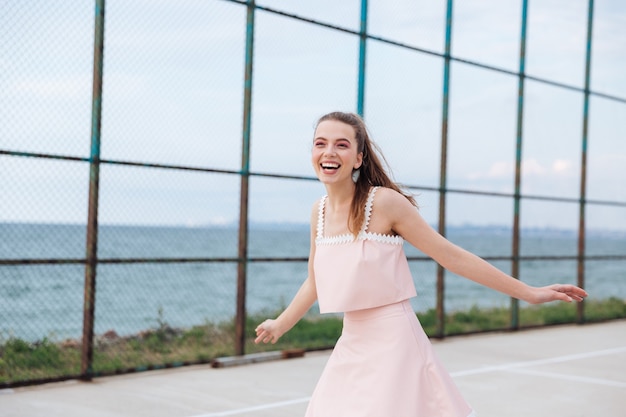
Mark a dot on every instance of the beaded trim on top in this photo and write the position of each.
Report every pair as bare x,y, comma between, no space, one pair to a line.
320,239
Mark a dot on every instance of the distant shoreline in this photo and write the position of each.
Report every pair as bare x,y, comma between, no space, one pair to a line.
261,226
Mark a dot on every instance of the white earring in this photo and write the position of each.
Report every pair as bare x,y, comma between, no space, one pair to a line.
355,175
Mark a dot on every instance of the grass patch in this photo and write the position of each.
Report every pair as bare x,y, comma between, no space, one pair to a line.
23,361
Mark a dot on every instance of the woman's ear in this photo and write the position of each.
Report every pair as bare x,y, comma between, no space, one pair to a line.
359,160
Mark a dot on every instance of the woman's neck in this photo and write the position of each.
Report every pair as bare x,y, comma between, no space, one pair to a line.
339,195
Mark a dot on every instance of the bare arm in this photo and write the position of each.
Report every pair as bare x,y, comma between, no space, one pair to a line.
405,220
271,330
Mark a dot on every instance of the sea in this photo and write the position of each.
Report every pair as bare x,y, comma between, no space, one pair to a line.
46,301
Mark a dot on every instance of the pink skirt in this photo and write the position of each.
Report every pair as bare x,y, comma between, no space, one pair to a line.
383,365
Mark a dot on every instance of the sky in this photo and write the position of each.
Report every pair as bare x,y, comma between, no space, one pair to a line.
173,94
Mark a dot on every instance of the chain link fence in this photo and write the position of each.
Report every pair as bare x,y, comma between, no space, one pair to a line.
156,188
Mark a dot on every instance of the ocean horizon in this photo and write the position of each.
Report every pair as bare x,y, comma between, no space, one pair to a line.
46,300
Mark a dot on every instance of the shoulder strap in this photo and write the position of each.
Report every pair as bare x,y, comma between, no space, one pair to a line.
368,209
320,217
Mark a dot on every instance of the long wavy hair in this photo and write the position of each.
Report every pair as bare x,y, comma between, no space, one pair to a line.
374,169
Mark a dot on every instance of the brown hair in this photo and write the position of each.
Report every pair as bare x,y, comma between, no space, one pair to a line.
373,171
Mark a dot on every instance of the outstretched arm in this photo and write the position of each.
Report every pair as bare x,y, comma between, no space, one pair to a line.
271,330
405,220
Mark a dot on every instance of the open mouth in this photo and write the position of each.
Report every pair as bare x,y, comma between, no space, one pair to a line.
329,166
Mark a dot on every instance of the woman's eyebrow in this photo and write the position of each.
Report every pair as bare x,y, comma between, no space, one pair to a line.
336,140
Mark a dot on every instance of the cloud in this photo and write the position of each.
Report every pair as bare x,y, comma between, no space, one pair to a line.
562,167
500,170
530,168
497,170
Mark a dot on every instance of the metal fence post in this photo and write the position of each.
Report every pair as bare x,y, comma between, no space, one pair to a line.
580,308
94,181
518,164
240,319
362,47
440,331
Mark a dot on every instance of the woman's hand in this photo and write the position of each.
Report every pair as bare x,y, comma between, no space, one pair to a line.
556,292
268,332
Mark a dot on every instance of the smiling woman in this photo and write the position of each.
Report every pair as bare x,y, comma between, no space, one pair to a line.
383,363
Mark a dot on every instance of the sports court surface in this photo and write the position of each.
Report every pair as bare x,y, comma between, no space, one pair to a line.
564,371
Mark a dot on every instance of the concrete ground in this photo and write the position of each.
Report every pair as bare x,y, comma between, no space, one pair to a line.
565,371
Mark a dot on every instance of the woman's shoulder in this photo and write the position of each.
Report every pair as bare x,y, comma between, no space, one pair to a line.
385,195
391,202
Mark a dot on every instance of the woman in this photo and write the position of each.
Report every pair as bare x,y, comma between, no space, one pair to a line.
383,364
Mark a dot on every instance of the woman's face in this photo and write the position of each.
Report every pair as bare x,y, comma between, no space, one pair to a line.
335,152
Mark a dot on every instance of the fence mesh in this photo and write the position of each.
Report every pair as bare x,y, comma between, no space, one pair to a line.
177,279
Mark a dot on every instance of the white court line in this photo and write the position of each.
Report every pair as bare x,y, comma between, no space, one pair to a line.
587,380
513,366
556,359
255,408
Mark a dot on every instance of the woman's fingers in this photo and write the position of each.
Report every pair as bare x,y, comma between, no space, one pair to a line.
264,337
263,334
575,293
568,292
558,292
261,338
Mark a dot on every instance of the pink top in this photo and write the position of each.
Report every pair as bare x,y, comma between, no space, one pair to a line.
366,272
